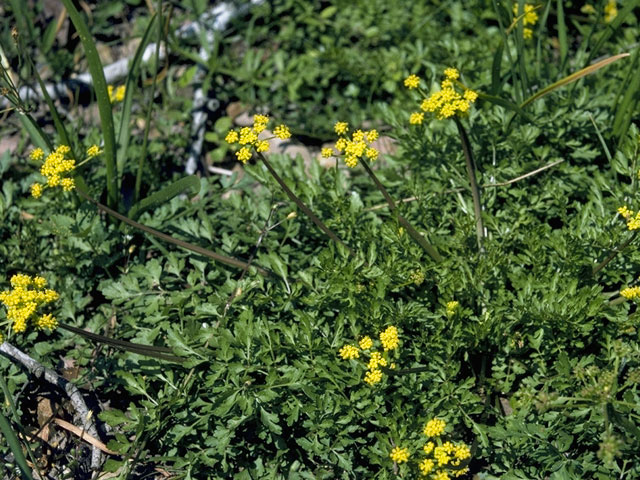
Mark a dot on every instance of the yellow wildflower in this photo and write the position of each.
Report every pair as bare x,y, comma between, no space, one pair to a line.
610,11
36,190
529,16
373,376
282,132
412,81
243,154
451,73
348,352
36,154
93,151
262,146
451,308
426,466
366,343
434,427
630,293
326,152
232,137
399,455
341,128
371,153
389,338
441,475
376,360
416,118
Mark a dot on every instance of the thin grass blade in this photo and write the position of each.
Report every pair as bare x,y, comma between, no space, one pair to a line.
104,103
14,444
573,77
124,129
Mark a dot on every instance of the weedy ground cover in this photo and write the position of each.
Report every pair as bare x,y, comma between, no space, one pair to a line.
441,283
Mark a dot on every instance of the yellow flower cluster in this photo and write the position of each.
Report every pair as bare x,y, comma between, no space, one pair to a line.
443,458
434,427
23,301
633,219
116,94
248,137
412,81
529,17
377,360
348,352
55,168
631,293
610,11
446,102
399,455
353,148
452,307
389,338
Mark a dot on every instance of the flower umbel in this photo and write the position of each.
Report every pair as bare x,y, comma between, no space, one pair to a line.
389,338
412,81
632,218
56,170
377,360
448,101
249,137
399,455
27,296
354,148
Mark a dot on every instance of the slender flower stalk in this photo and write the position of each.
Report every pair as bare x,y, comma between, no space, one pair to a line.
475,189
307,211
413,233
248,138
233,262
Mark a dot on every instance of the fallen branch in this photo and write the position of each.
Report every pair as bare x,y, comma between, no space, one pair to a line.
83,415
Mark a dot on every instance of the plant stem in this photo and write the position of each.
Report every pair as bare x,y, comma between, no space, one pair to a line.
475,190
233,262
303,207
413,233
613,254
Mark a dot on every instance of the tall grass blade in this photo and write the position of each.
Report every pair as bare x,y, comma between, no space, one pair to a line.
562,33
16,448
104,103
627,106
189,184
124,129
573,77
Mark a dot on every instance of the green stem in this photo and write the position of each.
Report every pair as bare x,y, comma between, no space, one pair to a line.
413,233
303,207
613,254
475,189
232,262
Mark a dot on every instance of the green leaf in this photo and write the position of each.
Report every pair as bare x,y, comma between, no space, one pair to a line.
190,185
270,420
14,444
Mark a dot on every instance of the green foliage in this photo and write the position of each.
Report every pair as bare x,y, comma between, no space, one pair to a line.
538,368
